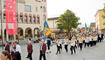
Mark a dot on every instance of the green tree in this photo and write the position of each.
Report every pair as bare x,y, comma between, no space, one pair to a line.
104,8
68,21
104,15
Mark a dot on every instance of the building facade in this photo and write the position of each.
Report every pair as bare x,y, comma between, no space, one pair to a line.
31,15
93,25
100,21
52,22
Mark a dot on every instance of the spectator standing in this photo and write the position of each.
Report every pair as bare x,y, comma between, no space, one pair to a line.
18,51
7,46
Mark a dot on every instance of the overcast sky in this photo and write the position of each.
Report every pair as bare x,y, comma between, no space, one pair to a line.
85,9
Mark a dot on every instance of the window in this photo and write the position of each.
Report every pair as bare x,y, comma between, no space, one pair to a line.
21,19
36,9
41,7
27,8
29,19
4,18
4,4
44,17
44,9
38,0
25,19
37,20
17,18
44,0
0,18
33,19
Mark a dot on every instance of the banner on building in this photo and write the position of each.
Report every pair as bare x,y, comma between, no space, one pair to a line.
11,17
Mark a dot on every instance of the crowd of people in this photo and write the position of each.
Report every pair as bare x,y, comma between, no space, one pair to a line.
13,51
79,41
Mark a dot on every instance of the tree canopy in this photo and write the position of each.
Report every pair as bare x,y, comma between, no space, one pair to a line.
104,8
104,15
68,21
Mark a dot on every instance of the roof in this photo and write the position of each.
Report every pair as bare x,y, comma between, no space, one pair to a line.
53,18
98,11
93,24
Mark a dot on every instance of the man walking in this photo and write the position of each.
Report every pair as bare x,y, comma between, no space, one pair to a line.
48,45
29,49
42,50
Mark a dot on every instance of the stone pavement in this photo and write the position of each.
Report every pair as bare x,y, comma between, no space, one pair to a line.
89,53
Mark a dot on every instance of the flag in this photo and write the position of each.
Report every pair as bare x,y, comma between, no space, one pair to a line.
86,28
11,17
46,30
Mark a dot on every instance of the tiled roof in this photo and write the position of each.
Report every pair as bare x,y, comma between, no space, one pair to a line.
54,18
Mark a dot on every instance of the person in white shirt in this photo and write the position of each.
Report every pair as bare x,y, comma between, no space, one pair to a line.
90,41
66,44
80,42
18,51
86,41
58,47
60,42
95,39
72,44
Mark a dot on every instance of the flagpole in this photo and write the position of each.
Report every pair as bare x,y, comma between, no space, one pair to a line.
17,20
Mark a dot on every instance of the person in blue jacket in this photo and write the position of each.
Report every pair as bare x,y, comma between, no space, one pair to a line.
49,44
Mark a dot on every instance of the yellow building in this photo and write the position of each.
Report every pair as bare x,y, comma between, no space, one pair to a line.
100,21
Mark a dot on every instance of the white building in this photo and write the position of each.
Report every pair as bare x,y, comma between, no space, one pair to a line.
31,16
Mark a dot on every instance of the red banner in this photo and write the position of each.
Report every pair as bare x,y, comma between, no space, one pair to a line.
11,19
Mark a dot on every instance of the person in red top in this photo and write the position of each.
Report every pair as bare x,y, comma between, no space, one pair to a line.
42,50
29,49
7,47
